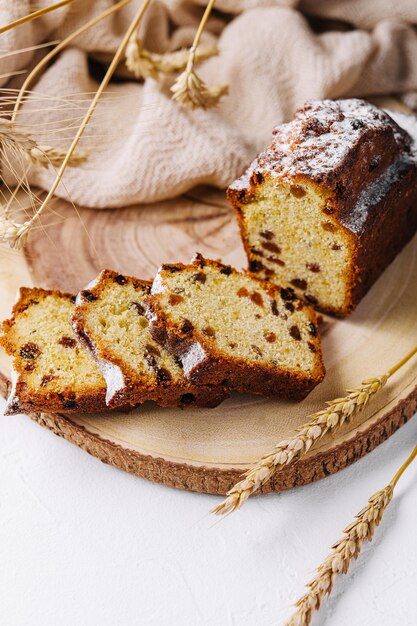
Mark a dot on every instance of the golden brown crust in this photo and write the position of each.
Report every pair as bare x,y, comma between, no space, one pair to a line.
214,366
136,388
22,397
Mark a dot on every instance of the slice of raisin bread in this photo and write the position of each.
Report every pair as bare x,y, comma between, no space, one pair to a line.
109,320
233,328
51,371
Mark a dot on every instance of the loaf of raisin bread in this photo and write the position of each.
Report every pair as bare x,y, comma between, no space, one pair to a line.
234,329
330,203
51,371
110,321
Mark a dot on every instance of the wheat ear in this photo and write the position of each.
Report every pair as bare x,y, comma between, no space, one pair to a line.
345,549
109,73
145,64
34,15
189,90
338,412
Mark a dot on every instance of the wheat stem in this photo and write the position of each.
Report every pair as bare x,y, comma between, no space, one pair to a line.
345,549
336,413
104,83
189,90
34,15
46,59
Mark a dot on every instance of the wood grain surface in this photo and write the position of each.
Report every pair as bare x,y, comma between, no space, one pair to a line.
206,449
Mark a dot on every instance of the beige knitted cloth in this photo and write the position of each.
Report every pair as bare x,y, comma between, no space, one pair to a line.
274,55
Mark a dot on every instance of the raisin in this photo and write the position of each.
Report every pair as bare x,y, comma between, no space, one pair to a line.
187,326
257,177
67,342
271,246
200,277
287,293
270,337
187,398
242,292
300,283
310,298
268,272
150,360
152,349
328,210
73,298
29,367
257,350
140,309
256,252
328,226
197,260
256,298
226,270
121,280
335,246
233,345
297,191
313,267
162,375
178,361
375,162
171,268
311,346
209,331
275,259
70,404
267,234
274,308
289,306
356,124
47,379
29,351
295,332
313,330
175,298
88,295
255,266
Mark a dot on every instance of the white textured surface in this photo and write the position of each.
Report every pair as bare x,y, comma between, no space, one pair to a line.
82,543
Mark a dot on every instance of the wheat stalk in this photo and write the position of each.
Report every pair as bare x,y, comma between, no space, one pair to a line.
21,234
34,15
47,58
189,90
345,549
331,418
17,139
145,64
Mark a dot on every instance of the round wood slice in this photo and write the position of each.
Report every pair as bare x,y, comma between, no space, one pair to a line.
207,449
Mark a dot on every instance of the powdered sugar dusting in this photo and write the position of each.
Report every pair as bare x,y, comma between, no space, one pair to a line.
318,140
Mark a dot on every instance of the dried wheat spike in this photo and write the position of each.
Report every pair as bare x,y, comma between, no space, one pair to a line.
190,91
145,64
338,411
20,141
13,233
342,552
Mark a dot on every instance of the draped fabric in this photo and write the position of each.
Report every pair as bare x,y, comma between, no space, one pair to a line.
273,54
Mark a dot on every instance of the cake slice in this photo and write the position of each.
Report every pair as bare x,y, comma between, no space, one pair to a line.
110,321
234,329
50,371
331,202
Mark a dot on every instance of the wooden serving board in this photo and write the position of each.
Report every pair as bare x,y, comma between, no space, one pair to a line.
207,449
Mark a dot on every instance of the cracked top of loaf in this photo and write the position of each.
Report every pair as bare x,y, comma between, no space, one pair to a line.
350,148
